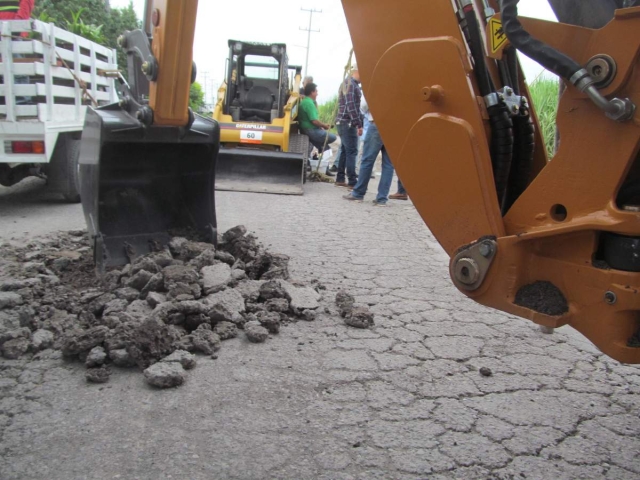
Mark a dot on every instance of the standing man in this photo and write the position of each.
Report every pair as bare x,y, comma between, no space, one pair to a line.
349,122
16,9
307,80
402,193
372,147
310,123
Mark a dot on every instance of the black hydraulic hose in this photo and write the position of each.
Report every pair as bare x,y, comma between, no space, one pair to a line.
485,84
499,119
501,147
511,60
523,151
548,57
505,75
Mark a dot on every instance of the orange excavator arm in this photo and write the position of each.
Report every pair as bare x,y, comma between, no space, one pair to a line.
556,242
174,25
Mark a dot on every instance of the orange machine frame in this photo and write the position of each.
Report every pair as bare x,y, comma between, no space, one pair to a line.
417,76
174,26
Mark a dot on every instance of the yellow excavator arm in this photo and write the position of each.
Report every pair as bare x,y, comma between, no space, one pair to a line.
556,242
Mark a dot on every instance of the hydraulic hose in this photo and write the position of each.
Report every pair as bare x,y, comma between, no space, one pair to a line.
548,57
511,59
485,84
501,147
617,109
499,119
523,153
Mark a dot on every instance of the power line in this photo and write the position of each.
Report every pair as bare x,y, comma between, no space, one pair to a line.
309,31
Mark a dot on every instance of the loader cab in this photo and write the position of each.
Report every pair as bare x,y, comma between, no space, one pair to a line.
257,82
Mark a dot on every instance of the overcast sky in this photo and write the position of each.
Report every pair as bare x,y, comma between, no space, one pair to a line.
252,20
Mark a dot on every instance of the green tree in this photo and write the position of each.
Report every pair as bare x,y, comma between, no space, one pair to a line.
95,15
196,97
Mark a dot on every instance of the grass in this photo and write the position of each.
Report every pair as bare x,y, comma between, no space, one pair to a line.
327,111
544,95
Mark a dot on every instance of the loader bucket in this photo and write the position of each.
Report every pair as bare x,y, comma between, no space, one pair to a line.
261,171
140,185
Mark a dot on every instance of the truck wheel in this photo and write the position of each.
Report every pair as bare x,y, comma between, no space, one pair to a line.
299,143
64,168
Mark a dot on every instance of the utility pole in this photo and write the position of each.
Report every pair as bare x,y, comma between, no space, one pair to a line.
309,30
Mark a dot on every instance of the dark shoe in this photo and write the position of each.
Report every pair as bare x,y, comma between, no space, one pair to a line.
341,184
399,196
329,173
352,198
333,168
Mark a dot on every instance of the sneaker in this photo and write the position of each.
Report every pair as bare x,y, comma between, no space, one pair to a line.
329,173
379,204
333,168
341,184
352,198
399,196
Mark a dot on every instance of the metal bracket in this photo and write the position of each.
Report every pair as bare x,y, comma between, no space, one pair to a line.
136,44
509,98
470,265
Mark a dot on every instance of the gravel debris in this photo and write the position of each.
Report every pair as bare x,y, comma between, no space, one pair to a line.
154,313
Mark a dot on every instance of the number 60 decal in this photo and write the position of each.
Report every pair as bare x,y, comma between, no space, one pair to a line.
249,136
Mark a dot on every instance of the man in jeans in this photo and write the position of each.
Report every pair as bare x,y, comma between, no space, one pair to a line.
349,121
372,146
309,120
402,193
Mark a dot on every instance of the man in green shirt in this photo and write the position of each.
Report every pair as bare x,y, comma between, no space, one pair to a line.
309,119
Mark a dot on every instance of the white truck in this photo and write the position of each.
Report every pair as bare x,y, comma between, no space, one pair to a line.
43,103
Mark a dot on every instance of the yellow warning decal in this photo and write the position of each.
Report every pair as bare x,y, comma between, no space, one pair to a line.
497,37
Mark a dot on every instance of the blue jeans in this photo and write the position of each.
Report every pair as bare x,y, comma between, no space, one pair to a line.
372,146
317,137
365,127
401,189
348,154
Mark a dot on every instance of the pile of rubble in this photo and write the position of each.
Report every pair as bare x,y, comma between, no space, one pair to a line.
153,314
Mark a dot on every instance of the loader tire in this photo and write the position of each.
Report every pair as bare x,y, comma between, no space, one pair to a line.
299,143
64,168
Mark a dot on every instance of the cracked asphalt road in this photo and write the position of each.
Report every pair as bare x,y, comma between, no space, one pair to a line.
404,400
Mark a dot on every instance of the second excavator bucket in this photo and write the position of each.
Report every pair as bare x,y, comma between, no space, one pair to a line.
142,184
261,171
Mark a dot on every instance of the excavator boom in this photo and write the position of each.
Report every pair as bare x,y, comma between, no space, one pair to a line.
147,163
554,241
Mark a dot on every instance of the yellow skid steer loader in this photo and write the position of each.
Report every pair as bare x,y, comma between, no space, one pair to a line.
261,149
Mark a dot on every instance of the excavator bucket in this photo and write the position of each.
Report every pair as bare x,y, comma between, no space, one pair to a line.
261,171
142,184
